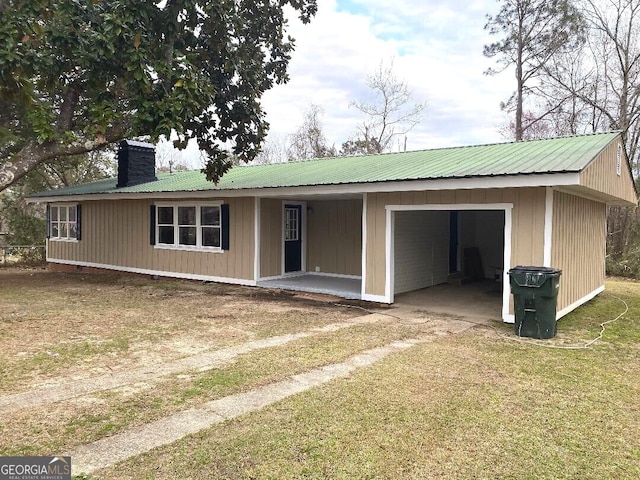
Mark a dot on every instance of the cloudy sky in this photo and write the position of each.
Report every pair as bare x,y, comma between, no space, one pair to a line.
436,46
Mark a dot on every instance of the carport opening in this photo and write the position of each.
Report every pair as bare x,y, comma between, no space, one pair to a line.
450,261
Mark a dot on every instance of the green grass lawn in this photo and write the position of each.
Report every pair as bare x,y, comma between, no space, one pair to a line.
481,404
473,405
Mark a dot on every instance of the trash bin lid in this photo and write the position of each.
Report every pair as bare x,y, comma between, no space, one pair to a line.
529,276
539,270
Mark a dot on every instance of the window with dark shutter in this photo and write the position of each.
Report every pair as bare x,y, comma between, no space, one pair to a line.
78,222
225,226
48,221
190,226
152,224
63,222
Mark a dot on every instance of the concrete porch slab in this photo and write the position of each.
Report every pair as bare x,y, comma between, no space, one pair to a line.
344,287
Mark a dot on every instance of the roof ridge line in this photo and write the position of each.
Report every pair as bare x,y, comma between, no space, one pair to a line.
458,147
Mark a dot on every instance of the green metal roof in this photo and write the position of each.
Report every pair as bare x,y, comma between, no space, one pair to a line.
556,155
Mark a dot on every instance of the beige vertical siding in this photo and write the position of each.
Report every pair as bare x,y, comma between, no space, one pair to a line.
527,241
601,174
578,246
270,237
116,233
334,236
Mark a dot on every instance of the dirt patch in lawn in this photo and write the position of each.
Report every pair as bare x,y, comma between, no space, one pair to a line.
85,327
75,326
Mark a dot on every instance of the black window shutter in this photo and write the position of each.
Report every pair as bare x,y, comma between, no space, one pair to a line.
152,224
47,221
78,222
224,210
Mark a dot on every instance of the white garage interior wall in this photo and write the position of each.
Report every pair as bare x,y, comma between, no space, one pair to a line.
421,249
421,245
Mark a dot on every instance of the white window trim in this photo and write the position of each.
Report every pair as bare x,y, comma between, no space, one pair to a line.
193,248
50,226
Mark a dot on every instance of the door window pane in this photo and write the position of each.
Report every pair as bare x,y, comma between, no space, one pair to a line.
291,224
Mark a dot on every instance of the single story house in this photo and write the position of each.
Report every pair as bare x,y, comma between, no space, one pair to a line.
366,227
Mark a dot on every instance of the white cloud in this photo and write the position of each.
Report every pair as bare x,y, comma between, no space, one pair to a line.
437,47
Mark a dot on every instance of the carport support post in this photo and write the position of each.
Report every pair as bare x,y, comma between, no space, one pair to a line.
390,267
363,288
506,291
548,226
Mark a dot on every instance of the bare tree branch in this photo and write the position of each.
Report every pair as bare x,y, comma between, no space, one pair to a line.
390,114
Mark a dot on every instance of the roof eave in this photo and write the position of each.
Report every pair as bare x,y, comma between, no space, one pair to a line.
595,195
463,183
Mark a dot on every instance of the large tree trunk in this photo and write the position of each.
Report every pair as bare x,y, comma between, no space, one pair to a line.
520,81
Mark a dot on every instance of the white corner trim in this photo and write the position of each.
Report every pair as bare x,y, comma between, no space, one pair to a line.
579,302
389,254
364,244
548,227
256,249
507,317
160,273
375,298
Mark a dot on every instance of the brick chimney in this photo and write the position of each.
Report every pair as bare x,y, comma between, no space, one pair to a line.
136,163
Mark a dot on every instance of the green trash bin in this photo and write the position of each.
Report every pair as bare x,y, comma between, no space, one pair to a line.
535,294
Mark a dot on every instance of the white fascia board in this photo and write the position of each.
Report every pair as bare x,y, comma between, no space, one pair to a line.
512,181
585,192
451,206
